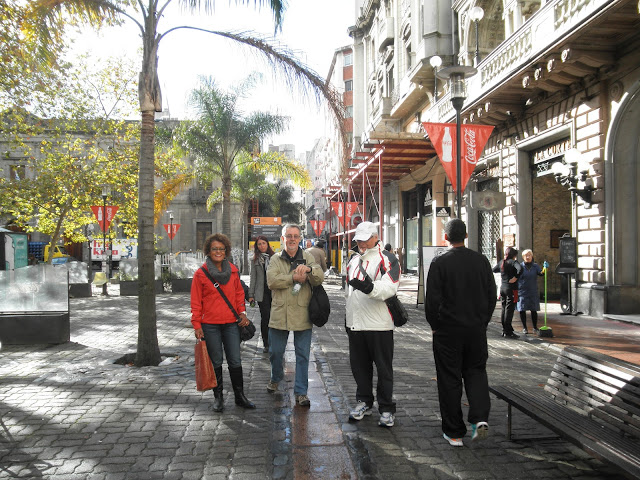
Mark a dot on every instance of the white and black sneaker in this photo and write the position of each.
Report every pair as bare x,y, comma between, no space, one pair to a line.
359,411
387,419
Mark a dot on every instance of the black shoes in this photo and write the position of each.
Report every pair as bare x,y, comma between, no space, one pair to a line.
510,335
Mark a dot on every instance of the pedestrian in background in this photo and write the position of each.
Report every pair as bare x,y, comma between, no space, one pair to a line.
509,269
373,275
214,321
319,254
388,248
528,296
290,275
460,299
258,289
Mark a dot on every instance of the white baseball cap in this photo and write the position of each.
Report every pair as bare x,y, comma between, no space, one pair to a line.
364,231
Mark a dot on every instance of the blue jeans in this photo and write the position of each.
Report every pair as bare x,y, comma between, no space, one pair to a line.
217,335
277,344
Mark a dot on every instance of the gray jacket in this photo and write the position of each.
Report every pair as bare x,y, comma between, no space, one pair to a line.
257,281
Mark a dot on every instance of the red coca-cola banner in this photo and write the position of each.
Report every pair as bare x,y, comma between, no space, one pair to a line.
172,229
443,138
351,208
318,226
104,220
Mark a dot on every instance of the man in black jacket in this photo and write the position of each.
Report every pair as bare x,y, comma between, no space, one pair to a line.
461,296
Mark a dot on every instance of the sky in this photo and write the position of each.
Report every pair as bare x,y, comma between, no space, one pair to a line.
313,30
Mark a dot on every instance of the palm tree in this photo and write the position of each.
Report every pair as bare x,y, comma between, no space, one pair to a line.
221,137
147,16
248,184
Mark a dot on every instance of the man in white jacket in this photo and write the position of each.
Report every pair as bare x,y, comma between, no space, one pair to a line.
373,276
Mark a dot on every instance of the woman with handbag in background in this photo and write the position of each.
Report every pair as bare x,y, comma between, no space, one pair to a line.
258,289
214,320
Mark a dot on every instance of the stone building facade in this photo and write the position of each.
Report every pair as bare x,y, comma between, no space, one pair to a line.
558,81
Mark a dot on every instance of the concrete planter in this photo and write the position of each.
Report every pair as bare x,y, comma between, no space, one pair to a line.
35,328
181,285
130,289
79,290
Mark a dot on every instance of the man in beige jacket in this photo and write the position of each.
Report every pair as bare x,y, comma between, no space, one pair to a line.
291,274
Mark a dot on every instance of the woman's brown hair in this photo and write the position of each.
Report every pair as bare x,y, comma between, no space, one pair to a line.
269,249
217,237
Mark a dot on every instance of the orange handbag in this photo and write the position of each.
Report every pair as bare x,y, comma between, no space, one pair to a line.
205,376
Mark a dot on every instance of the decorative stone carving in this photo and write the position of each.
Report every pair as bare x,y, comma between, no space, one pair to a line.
615,91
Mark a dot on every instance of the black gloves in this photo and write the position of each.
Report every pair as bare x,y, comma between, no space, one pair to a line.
364,286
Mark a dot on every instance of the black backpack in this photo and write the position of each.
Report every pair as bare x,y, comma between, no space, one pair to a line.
319,306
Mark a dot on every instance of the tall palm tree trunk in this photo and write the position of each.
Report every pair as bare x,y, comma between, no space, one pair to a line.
226,206
148,352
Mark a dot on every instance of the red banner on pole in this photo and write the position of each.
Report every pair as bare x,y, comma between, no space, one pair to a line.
443,138
318,226
351,208
104,220
172,229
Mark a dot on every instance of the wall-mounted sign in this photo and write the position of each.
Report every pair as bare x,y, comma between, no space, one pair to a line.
488,200
443,212
551,151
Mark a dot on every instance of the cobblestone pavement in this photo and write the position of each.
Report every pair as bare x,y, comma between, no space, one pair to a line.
68,412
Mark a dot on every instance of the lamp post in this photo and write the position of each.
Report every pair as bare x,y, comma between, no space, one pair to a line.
456,75
171,232
476,14
575,176
344,236
435,63
105,192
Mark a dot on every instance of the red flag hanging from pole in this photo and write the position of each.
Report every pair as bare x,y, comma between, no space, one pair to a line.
172,229
443,138
318,226
104,220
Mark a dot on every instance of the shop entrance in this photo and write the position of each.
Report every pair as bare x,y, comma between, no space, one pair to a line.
551,218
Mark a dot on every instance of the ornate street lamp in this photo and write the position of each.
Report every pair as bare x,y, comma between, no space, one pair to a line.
456,75
435,62
574,174
476,14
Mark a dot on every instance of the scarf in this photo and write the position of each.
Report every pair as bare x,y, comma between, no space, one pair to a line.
222,277
294,261
263,260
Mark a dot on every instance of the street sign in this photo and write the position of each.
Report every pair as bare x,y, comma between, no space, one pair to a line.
98,211
272,232
444,212
266,220
172,229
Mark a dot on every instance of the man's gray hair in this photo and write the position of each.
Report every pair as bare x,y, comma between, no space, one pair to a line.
287,226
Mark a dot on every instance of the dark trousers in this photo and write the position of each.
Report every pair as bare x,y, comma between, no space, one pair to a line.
508,307
366,349
265,316
461,357
534,318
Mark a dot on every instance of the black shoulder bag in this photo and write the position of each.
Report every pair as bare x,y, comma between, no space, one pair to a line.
246,333
395,306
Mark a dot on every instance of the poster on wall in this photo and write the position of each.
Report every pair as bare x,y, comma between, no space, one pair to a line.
428,254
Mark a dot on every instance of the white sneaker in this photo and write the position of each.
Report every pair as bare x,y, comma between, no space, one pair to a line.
359,411
387,419
479,431
455,442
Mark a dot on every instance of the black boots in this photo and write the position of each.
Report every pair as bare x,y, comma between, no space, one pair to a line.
218,402
238,388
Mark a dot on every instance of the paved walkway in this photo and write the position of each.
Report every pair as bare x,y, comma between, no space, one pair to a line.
67,412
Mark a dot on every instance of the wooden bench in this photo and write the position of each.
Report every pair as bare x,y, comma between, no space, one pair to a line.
591,400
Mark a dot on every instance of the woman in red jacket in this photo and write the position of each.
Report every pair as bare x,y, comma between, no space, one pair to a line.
214,321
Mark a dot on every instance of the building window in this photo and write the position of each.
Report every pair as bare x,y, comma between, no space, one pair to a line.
16,172
348,112
348,59
348,86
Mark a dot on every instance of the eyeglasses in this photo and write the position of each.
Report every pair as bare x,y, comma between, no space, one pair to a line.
292,237
218,249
